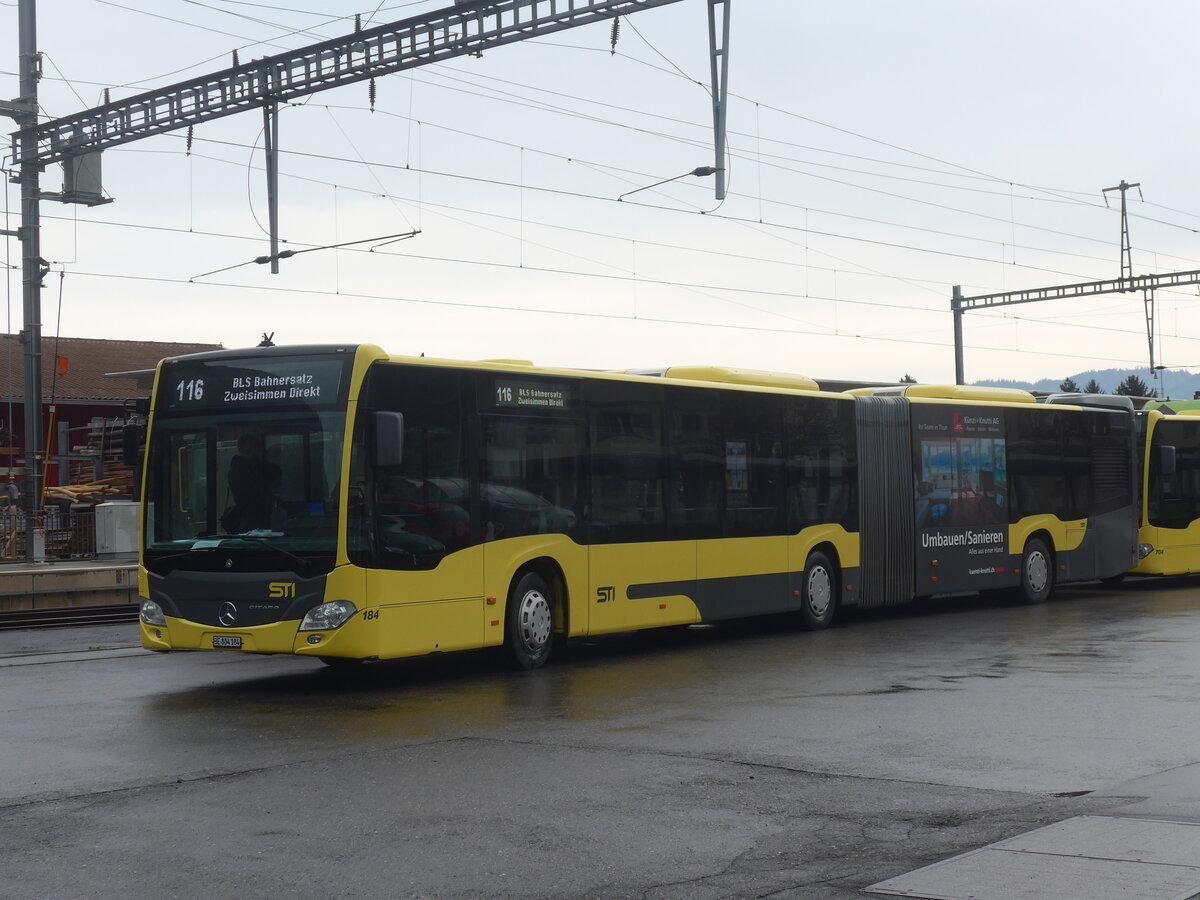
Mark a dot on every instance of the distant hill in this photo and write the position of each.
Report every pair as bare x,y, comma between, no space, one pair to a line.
1178,384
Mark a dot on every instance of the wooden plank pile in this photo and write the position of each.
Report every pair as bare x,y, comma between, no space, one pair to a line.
93,491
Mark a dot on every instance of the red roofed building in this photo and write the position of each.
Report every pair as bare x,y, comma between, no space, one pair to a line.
77,378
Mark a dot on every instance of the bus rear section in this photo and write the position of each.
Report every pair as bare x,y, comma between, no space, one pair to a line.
969,489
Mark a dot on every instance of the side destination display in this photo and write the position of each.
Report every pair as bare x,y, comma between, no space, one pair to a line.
246,384
961,488
524,394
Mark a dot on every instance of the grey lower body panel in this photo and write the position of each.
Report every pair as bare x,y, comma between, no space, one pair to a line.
729,598
1095,557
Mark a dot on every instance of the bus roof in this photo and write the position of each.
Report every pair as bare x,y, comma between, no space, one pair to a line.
948,392
1179,413
1094,401
711,375
751,377
1173,406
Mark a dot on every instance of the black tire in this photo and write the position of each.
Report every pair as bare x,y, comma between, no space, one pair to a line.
529,622
818,592
1037,572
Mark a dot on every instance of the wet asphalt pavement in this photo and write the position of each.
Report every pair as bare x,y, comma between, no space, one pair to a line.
743,761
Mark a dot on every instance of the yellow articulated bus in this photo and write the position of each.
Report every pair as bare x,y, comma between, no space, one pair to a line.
1169,442
342,504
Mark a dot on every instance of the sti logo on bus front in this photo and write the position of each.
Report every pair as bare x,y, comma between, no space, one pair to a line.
281,590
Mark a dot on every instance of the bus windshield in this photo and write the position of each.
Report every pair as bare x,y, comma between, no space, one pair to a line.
245,454
268,477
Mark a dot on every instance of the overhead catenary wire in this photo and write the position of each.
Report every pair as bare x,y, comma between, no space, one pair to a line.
752,223
249,42
590,315
1057,195
783,204
898,244
998,318
288,254
676,71
972,213
561,192
983,175
719,288
178,21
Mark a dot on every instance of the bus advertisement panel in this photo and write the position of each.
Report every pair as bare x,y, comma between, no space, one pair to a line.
961,497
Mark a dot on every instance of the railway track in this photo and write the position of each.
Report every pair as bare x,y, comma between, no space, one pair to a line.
62,618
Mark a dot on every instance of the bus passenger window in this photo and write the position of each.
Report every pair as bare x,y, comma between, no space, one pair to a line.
531,476
627,473
753,455
696,491
822,467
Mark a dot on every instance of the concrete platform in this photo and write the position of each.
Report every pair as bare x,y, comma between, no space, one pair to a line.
67,584
1148,849
1097,857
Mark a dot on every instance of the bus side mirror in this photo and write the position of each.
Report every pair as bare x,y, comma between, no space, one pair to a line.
132,437
389,438
1166,459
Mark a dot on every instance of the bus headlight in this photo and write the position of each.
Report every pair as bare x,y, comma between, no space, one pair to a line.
1145,550
327,616
152,613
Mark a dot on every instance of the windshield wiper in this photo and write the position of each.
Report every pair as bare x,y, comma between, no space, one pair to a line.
209,544
302,561
162,559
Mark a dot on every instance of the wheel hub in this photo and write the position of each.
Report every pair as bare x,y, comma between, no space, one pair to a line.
1037,570
534,620
819,592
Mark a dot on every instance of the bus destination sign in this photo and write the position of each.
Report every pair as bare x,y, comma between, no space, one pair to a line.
532,395
251,384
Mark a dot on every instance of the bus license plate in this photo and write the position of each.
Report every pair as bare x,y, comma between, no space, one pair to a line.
225,640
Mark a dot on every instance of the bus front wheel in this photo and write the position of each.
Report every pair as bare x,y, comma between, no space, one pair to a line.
530,620
818,593
1037,572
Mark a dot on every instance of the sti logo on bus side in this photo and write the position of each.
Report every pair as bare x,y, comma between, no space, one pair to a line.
281,590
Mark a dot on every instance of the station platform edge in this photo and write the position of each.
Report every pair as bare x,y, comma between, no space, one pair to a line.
67,584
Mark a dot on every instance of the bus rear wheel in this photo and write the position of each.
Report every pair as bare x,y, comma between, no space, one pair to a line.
530,621
818,592
1037,572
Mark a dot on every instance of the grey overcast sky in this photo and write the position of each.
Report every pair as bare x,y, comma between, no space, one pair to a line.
879,153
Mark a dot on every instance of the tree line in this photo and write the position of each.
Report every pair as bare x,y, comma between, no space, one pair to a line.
1132,386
